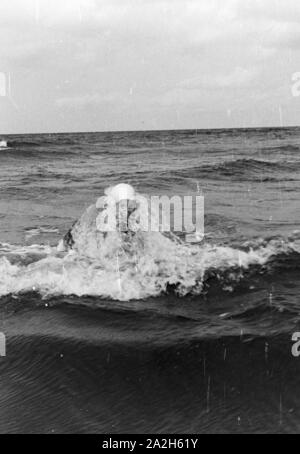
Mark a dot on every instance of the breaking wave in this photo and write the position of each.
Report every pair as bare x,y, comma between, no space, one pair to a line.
150,266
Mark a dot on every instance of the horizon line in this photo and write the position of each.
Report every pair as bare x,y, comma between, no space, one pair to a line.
149,130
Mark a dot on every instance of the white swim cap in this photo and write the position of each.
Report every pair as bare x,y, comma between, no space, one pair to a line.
121,192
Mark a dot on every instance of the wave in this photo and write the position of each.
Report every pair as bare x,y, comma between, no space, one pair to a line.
41,142
153,265
27,147
133,267
4,145
237,169
281,148
23,144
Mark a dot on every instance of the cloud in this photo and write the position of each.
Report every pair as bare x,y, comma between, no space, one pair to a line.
155,56
274,10
31,26
87,100
239,77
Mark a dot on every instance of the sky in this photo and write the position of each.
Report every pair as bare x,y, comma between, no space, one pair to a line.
102,65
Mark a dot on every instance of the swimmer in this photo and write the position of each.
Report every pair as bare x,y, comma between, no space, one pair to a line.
122,197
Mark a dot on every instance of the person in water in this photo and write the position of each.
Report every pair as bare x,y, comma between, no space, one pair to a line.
91,229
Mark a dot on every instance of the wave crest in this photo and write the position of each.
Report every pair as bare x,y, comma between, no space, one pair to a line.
150,266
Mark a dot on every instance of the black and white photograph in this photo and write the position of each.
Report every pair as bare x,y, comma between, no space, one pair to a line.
149,219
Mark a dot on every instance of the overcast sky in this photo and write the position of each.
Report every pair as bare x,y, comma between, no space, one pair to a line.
94,65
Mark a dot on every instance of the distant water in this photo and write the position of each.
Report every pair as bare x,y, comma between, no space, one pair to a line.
185,338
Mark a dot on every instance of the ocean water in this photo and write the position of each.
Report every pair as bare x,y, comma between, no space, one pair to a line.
176,337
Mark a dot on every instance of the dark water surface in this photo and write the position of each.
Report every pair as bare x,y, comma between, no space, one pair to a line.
200,340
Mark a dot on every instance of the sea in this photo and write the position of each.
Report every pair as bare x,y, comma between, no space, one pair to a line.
179,337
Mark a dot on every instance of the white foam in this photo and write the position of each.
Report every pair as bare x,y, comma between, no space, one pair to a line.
3,144
30,233
141,270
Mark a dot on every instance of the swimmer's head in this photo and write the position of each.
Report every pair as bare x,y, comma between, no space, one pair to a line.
121,192
124,197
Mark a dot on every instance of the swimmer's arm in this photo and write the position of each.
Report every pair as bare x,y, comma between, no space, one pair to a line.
88,218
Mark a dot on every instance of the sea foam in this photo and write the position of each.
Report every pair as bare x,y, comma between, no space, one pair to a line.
147,268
